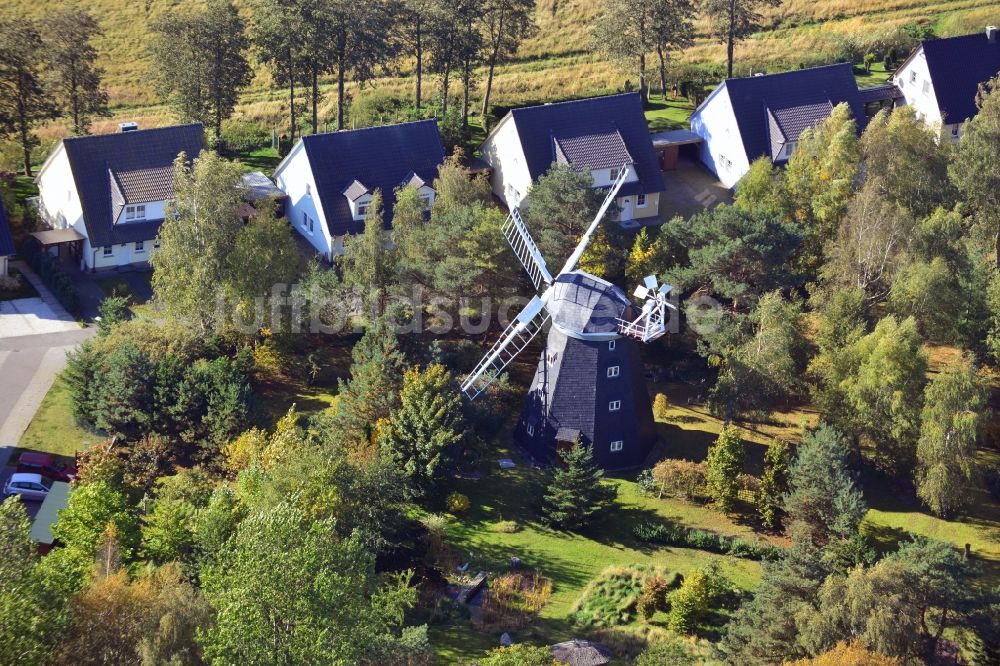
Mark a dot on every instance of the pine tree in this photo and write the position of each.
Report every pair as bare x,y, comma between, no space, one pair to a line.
724,466
823,505
425,432
69,36
24,102
575,496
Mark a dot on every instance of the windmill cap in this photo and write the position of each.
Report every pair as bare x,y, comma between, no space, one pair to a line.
583,304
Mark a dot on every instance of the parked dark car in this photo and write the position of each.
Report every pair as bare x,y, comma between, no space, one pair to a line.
42,463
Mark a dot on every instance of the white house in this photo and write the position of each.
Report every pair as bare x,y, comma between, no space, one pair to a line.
600,134
764,115
941,77
108,193
329,179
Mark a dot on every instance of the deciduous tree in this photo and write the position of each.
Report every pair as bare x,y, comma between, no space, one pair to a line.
723,467
201,63
505,23
974,170
287,590
955,410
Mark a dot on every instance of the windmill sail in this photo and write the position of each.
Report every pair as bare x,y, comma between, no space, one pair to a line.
534,316
516,337
516,233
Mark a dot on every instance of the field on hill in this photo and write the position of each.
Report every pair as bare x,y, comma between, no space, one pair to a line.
555,64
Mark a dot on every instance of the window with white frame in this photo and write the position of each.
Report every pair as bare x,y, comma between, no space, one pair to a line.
363,209
156,244
109,250
611,345
307,222
640,201
140,246
927,87
913,77
614,405
613,371
531,430
137,212
428,198
614,174
617,445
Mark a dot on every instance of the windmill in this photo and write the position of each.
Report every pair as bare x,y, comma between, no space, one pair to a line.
589,384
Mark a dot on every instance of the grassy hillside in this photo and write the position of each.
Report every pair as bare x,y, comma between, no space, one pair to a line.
554,64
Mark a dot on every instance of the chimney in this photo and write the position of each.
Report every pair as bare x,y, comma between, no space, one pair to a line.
991,34
128,127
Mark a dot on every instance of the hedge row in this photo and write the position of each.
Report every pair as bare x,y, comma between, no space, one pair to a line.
667,534
47,267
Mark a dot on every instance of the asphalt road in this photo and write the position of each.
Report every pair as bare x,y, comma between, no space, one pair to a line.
28,367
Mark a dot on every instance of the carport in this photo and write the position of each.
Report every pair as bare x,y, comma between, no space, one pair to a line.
68,238
668,146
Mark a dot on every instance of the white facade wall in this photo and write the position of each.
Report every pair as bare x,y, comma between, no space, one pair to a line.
58,200
721,149
294,177
155,210
59,205
914,80
510,179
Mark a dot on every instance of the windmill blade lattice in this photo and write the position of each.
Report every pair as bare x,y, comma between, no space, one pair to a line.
534,316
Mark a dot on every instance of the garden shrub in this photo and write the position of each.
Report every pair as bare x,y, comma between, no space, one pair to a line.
689,603
661,407
671,534
646,483
241,136
508,526
654,595
612,598
680,478
512,600
457,503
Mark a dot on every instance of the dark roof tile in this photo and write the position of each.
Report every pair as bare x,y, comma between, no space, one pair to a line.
797,95
379,157
589,119
592,150
957,66
138,164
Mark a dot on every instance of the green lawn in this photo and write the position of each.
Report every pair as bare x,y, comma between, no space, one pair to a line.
570,561
262,159
24,289
54,430
668,114
875,77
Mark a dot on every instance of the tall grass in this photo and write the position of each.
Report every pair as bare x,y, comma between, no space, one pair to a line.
554,64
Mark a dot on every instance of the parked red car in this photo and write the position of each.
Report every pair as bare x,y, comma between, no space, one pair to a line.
44,464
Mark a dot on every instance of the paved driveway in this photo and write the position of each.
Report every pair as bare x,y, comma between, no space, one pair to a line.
32,316
690,189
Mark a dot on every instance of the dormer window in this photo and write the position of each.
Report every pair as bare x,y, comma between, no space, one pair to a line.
359,198
137,212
